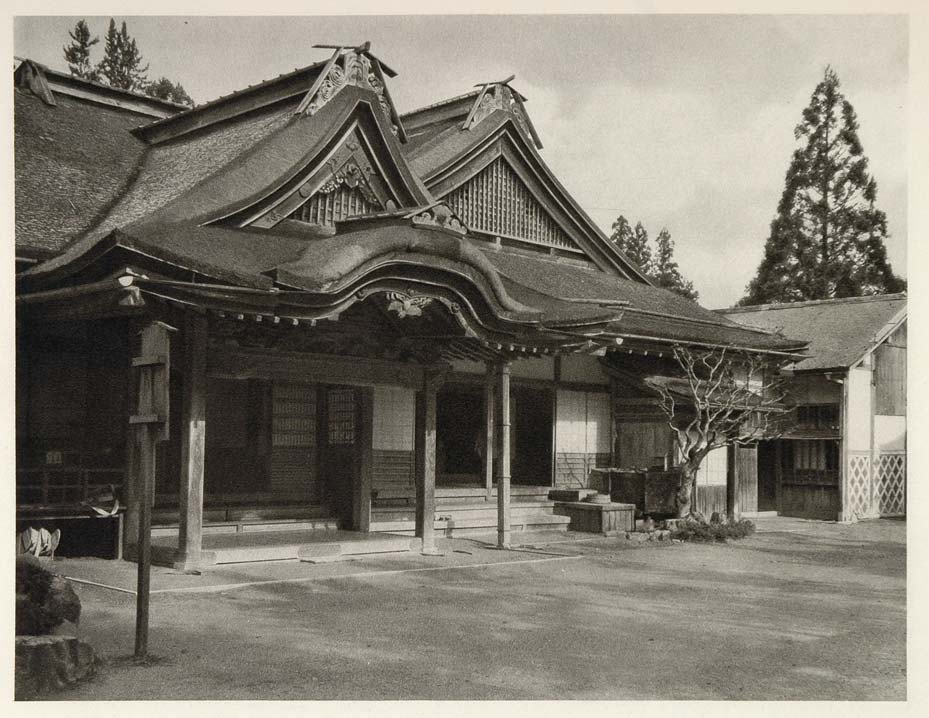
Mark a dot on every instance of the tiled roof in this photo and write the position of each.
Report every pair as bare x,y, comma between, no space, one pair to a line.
71,161
839,331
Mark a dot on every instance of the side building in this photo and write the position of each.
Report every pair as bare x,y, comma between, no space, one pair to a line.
845,456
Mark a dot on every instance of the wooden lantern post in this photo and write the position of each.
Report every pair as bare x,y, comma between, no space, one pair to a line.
150,421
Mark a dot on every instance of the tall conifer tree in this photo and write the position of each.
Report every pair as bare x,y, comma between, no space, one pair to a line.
827,239
665,271
164,89
634,244
641,248
122,62
77,53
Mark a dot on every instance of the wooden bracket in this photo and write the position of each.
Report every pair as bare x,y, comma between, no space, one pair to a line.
156,359
147,419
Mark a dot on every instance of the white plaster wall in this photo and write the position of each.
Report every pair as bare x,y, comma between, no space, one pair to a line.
713,469
889,433
599,431
466,366
537,368
394,418
529,368
859,409
583,368
583,422
571,422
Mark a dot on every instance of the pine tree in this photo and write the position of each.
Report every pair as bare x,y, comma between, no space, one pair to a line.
77,54
665,271
827,239
122,61
164,89
633,244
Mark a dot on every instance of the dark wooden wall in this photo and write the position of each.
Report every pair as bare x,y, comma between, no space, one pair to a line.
71,413
710,499
641,445
746,468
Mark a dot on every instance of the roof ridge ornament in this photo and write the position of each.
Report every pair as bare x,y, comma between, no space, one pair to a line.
498,95
357,67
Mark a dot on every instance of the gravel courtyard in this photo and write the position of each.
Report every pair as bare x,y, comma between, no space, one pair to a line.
801,610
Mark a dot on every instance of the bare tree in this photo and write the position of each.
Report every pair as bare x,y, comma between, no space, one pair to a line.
723,397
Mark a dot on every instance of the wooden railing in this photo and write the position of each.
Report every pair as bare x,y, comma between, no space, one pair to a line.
811,477
50,486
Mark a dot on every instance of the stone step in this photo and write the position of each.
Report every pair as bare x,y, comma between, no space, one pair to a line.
309,546
444,496
462,511
316,524
169,516
534,522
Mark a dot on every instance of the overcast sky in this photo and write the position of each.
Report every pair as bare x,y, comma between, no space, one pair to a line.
678,121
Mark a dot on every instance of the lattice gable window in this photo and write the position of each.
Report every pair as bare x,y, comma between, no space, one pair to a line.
335,203
496,201
823,417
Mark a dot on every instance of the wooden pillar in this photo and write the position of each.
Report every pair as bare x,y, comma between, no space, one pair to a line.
425,461
778,472
843,514
193,445
503,455
488,438
733,509
556,381
364,437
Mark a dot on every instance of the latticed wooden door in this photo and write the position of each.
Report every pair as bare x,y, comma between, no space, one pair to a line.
338,455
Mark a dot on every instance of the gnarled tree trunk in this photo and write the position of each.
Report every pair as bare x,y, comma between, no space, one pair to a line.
686,489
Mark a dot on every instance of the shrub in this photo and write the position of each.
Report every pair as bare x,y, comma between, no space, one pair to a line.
692,529
43,600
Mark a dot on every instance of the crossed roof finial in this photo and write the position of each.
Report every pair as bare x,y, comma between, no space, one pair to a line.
492,97
507,81
362,49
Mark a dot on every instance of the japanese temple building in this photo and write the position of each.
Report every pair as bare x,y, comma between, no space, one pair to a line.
375,319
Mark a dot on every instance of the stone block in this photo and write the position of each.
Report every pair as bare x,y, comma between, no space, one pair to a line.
45,664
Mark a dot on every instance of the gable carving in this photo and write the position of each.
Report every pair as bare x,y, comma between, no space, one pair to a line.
345,68
497,97
497,202
347,185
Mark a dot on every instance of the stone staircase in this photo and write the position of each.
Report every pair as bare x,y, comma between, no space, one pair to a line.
467,512
274,519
